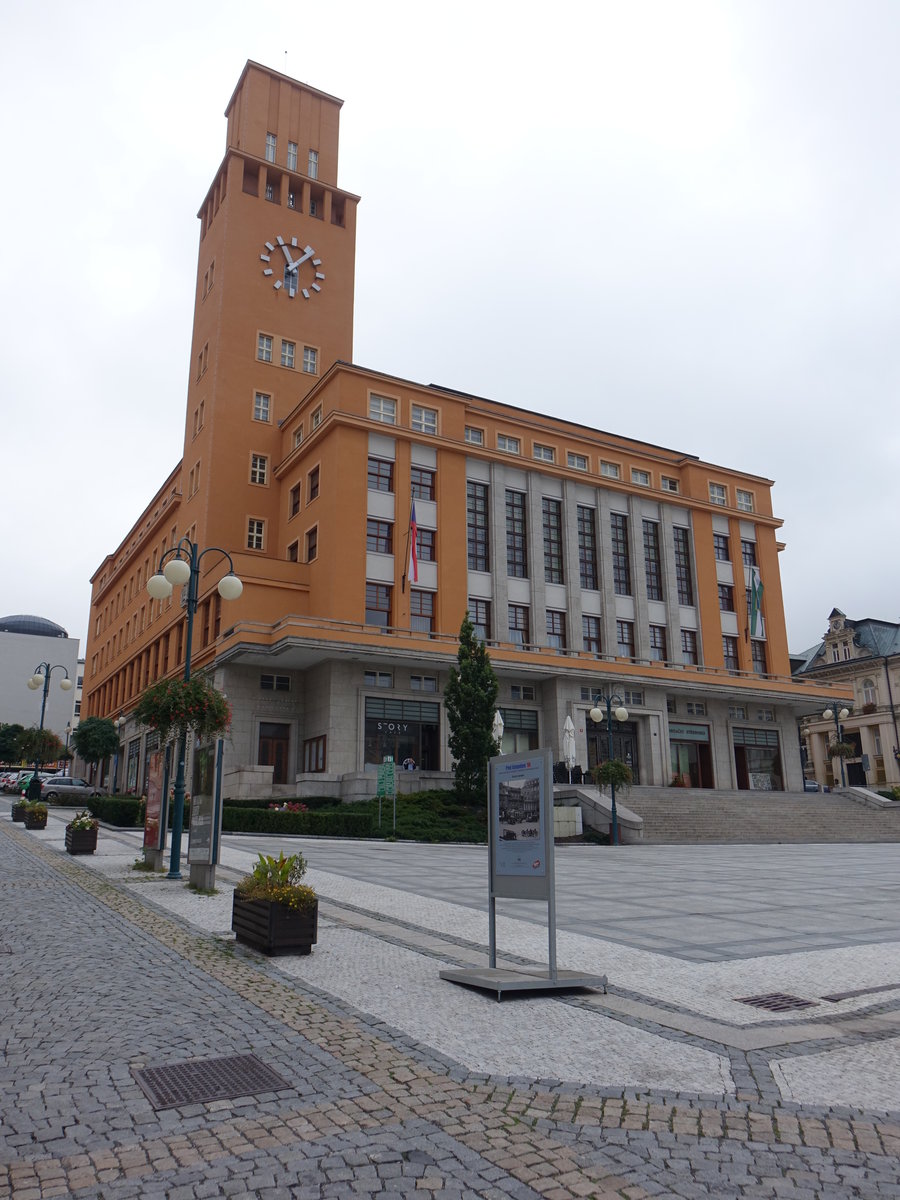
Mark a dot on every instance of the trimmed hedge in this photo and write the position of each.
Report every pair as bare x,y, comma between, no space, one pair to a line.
124,811
319,824
310,802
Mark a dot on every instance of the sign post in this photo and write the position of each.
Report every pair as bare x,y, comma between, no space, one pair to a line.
387,786
521,866
157,810
206,815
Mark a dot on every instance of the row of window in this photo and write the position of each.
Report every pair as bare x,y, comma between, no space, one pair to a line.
265,352
312,158
722,550
380,539
718,495
478,542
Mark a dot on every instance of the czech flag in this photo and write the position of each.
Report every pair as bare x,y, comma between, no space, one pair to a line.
413,534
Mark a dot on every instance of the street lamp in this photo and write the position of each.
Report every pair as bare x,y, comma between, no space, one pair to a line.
844,713
618,713
180,565
41,679
68,735
114,778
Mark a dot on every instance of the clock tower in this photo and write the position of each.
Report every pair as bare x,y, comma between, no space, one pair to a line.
273,302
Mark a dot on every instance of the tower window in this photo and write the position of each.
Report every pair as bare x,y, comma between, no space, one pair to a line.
271,143
262,404
313,164
287,353
255,534
292,156
264,347
310,360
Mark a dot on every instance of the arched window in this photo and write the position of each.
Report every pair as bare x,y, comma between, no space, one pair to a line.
868,691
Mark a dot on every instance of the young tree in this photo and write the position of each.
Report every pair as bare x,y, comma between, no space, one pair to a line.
40,745
471,700
11,743
95,738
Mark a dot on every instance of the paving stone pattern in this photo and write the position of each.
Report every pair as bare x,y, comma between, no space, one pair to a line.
100,981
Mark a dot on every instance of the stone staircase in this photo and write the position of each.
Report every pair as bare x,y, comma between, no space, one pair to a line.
687,816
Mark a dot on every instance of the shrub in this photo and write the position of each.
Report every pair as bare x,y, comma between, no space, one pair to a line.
124,811
336,823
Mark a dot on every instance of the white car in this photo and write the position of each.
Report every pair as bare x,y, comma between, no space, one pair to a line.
64,787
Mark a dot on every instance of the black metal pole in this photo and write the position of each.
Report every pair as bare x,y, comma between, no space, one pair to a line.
181,751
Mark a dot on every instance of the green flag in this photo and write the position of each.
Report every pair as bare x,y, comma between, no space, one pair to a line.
756,591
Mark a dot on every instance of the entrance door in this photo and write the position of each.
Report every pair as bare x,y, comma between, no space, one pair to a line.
856,775
624,745
274,746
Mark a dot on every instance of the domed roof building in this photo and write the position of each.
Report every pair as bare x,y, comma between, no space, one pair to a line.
35,626
26,642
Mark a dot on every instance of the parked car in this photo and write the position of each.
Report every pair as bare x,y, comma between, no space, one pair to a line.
61,787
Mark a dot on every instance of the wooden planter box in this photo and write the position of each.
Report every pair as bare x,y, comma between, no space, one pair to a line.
35,820
81,841
18,811
274,928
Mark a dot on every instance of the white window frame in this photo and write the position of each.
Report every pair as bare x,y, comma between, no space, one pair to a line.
609,469
316,419
288,353
310,360
718,494
312,164
743,500
475,437
424,420
640,477
298,436
292,156
668,484
256,531
543,453
259,469
265,344
271,147
262,407
508,443
383,409
578,462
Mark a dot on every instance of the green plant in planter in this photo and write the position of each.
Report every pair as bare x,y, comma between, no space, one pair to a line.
841,749
278,880
83,822
273,911
36,816
612,773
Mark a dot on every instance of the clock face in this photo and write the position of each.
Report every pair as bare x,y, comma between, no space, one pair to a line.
293,269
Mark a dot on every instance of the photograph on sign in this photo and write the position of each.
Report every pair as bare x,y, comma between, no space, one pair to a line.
519,815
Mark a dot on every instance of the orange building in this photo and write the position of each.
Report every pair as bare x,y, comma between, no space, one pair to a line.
587,560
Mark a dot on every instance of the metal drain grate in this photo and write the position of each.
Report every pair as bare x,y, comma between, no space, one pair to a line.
777,1002
206,1079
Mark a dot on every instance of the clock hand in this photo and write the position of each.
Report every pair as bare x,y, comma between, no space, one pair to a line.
287,255
308,252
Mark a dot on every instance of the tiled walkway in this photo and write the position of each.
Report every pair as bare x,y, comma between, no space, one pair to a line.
401,1084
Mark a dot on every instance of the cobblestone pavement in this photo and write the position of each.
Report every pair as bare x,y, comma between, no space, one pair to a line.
399,1084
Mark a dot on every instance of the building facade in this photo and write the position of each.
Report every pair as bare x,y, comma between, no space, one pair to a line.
863,659
588,561
25,643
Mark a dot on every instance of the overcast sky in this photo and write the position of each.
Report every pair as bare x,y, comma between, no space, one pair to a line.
675,221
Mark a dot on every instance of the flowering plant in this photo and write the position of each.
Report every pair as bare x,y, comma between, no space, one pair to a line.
177,705
289,806
278,879
83,820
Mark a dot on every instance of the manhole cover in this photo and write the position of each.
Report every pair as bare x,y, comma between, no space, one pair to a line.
777,1002
207,1079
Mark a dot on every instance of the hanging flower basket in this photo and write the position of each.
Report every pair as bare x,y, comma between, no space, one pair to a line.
173,706
841,750
612,773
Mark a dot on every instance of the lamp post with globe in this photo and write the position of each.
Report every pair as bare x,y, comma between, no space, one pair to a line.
41,679
838,715
180,566
615,710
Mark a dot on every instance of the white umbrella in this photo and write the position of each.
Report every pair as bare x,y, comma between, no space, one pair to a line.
569,746
497,728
